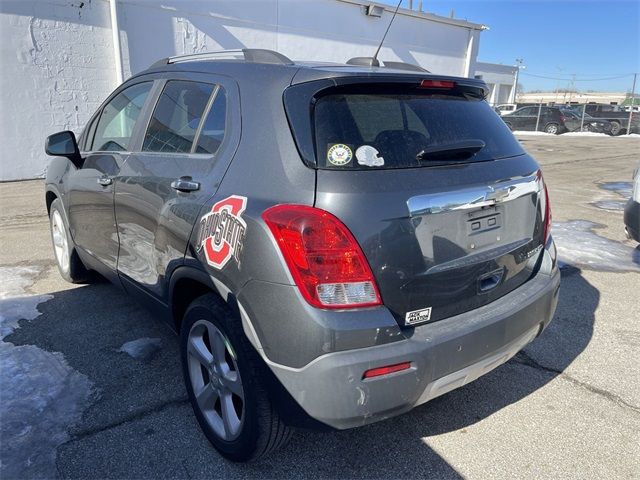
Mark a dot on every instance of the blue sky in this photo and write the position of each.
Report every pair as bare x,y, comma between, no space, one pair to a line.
594,39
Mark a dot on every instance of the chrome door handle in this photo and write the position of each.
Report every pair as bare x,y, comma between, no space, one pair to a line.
185,184
105,181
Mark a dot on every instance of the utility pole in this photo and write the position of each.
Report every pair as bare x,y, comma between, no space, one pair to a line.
519,62
560,69
572,87
633,97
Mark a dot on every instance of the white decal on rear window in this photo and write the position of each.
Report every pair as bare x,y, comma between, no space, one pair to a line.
369,156
339,154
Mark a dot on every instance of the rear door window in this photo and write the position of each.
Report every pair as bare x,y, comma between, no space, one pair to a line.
176,119
390,130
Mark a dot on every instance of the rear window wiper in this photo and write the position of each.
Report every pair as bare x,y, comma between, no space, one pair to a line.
462,149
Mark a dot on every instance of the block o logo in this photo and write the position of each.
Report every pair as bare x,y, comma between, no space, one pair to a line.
222,231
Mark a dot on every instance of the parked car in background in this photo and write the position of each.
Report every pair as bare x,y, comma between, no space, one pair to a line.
506,108
632,209
575,123
340,246
551,119
615,114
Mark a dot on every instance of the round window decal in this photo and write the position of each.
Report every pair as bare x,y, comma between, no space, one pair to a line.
339,155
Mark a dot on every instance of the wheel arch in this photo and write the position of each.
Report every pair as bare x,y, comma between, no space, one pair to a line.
50,196
186,284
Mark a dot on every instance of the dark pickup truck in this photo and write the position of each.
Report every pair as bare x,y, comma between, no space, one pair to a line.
615,114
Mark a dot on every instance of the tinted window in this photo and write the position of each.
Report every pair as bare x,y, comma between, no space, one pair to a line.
524,112
115,127
214,126
400,126
176,118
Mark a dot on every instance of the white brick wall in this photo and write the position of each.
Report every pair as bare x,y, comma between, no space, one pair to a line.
57,67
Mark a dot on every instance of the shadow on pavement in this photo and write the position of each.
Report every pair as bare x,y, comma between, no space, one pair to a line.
140,424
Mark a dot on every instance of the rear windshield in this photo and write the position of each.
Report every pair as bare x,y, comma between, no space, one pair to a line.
366,130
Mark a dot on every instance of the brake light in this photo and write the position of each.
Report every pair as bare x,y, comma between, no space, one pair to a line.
376,372
323,257
545,208
437,84
563,118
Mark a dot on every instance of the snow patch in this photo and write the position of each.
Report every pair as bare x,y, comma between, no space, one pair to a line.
16,280
624,189
532,132
12,310
142,348
611,205
585,134
41,395
13,306
580,246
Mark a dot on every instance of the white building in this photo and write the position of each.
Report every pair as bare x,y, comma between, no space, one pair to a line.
612,98
501,80
60,58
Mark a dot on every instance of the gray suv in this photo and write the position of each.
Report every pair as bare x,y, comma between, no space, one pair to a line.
334,243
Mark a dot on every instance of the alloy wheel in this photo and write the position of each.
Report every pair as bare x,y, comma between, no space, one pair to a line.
60,244
215,379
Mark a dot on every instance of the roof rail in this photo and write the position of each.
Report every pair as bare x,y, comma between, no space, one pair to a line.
373,62
252,55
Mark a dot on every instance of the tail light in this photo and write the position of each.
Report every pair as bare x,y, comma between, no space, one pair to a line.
545,208
323,257
563,118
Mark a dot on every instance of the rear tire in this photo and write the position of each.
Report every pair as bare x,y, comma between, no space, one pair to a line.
69,264
224,379
552,128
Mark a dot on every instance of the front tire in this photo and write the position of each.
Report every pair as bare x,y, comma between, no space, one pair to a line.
616,128
69,264
222,374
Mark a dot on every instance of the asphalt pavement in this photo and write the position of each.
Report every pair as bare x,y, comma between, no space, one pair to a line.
568,406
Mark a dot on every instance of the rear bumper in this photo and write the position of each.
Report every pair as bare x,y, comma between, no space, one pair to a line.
632,220
444,355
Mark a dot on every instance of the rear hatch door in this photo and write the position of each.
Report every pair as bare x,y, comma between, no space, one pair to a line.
441,197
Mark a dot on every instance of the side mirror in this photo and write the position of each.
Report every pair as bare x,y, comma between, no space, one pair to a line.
64,144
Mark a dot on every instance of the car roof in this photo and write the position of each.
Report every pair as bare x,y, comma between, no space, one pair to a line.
251,63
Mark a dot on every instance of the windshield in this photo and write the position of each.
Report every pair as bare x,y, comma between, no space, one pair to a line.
390,130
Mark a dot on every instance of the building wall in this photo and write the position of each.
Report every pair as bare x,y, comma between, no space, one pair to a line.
502,79
576,97
59,63
57,67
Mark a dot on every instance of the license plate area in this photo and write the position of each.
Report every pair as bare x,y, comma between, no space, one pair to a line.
484,227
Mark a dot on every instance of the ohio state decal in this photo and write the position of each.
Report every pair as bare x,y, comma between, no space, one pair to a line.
222,231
